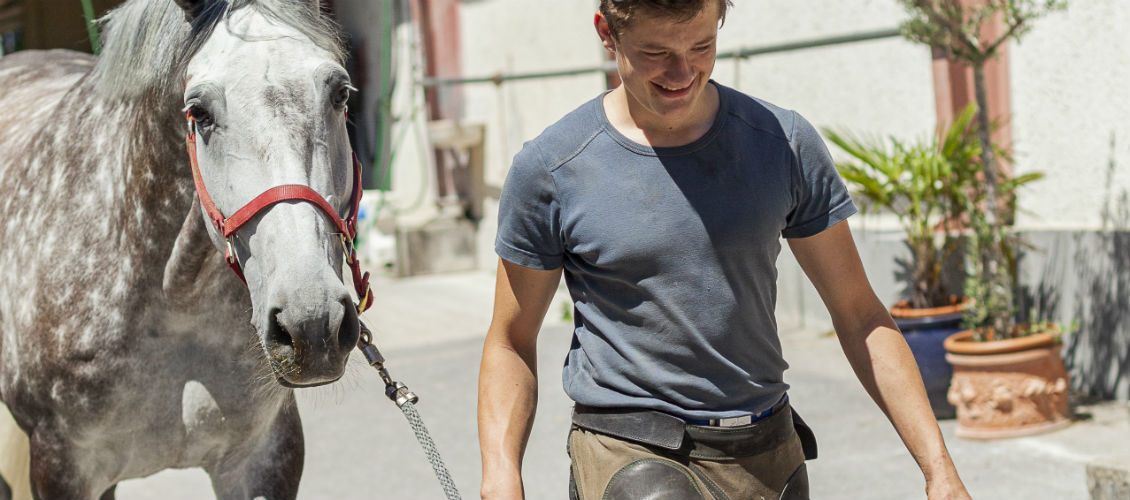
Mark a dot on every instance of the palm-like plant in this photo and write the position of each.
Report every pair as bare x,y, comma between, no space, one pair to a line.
956,27
928,185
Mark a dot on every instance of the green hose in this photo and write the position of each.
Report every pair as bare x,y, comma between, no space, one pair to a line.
91,27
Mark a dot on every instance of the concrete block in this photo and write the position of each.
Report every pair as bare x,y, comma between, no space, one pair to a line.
1109,479
440,246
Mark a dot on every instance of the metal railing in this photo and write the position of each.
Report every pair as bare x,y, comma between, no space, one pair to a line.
610,66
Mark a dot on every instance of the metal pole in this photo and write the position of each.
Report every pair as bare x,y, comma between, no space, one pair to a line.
610,66
381,164
744,52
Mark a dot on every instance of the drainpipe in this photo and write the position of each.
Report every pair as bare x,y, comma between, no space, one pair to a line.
439,27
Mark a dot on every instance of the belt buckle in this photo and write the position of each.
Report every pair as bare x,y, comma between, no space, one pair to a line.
732,421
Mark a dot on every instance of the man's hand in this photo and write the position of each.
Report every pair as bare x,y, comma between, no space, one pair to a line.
949,489
507,487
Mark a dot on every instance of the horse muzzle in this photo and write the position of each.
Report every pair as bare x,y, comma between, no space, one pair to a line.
309,346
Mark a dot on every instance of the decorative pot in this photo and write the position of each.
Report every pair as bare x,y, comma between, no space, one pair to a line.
925,331
1007,388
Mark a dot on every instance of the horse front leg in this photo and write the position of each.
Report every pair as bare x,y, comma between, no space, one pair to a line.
54,470
273,466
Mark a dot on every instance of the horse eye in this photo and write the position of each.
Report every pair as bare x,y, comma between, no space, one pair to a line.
202,117
340,97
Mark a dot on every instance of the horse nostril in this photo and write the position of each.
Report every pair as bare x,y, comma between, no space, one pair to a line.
279,341
350,329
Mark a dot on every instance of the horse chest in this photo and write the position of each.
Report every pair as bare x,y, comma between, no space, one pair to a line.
191,410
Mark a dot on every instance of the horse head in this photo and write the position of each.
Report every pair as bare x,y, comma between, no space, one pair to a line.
266,108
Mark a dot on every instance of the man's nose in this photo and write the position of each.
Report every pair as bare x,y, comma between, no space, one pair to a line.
679,69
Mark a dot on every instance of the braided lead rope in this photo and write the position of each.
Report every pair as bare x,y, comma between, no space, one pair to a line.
430,450
406,401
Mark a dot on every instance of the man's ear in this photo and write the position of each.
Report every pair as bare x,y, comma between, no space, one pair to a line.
604,31
192,8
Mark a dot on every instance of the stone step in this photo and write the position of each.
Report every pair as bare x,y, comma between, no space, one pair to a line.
1109,478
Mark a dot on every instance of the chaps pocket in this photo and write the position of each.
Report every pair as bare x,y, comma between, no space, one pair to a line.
807,437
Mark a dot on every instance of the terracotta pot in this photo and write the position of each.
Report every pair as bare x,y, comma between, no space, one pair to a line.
1007,388
902,309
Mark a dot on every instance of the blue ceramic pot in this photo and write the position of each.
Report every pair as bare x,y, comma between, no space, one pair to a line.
925,337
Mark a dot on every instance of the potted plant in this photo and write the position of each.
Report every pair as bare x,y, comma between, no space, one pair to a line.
926,185
1009,378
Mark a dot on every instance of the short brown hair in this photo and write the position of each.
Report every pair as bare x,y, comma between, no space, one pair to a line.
620,13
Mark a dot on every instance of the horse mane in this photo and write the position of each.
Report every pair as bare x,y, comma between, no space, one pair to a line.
148,43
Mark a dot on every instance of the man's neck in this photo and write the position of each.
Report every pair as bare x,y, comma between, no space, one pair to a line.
657,132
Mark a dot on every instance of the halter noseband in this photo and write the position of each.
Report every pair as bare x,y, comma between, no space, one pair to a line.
347,227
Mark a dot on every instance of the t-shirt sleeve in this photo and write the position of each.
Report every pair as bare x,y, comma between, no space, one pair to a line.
528,214
821,198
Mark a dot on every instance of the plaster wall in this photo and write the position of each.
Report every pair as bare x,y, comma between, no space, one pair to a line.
509,37
1075,277
1070,98
1070,93
876,88
882,87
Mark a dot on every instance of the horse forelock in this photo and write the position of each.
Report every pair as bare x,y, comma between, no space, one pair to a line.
148,43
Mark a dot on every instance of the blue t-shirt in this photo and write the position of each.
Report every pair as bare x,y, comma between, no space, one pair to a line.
670,253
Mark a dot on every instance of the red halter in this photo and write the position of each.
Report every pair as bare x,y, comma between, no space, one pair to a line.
346,227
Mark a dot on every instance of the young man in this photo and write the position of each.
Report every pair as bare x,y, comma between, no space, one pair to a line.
663,203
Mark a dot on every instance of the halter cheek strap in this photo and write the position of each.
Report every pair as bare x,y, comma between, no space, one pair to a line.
346,227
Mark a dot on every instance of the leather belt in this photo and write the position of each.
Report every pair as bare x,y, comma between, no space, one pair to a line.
655,428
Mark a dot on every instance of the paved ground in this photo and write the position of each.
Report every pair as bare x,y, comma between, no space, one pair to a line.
360,446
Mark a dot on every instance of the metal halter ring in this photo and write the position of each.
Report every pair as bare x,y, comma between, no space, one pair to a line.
346,248
231,258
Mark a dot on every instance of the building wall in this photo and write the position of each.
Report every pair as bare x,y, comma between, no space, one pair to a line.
881,87
1070,88
508,37
1070,100
1071,97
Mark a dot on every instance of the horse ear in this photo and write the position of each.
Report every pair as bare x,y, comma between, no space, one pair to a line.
192,8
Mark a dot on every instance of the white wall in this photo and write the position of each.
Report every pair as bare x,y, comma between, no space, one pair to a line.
881,87
509,37
1071,103
1070,81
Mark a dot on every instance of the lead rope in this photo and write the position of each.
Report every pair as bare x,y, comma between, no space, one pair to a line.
406,401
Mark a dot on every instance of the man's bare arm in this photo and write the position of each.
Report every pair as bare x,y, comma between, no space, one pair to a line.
508,375
877,352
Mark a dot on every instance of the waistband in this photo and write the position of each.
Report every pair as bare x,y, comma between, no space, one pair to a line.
671,433
740,420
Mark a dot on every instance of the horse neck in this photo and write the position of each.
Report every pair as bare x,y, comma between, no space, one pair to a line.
132,149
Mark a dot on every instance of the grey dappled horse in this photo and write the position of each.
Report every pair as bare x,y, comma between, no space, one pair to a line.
127,346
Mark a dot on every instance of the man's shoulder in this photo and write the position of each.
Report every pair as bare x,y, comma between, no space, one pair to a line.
759,114
568,136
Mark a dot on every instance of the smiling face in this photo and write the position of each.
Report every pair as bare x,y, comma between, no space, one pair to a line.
665,64
269,110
